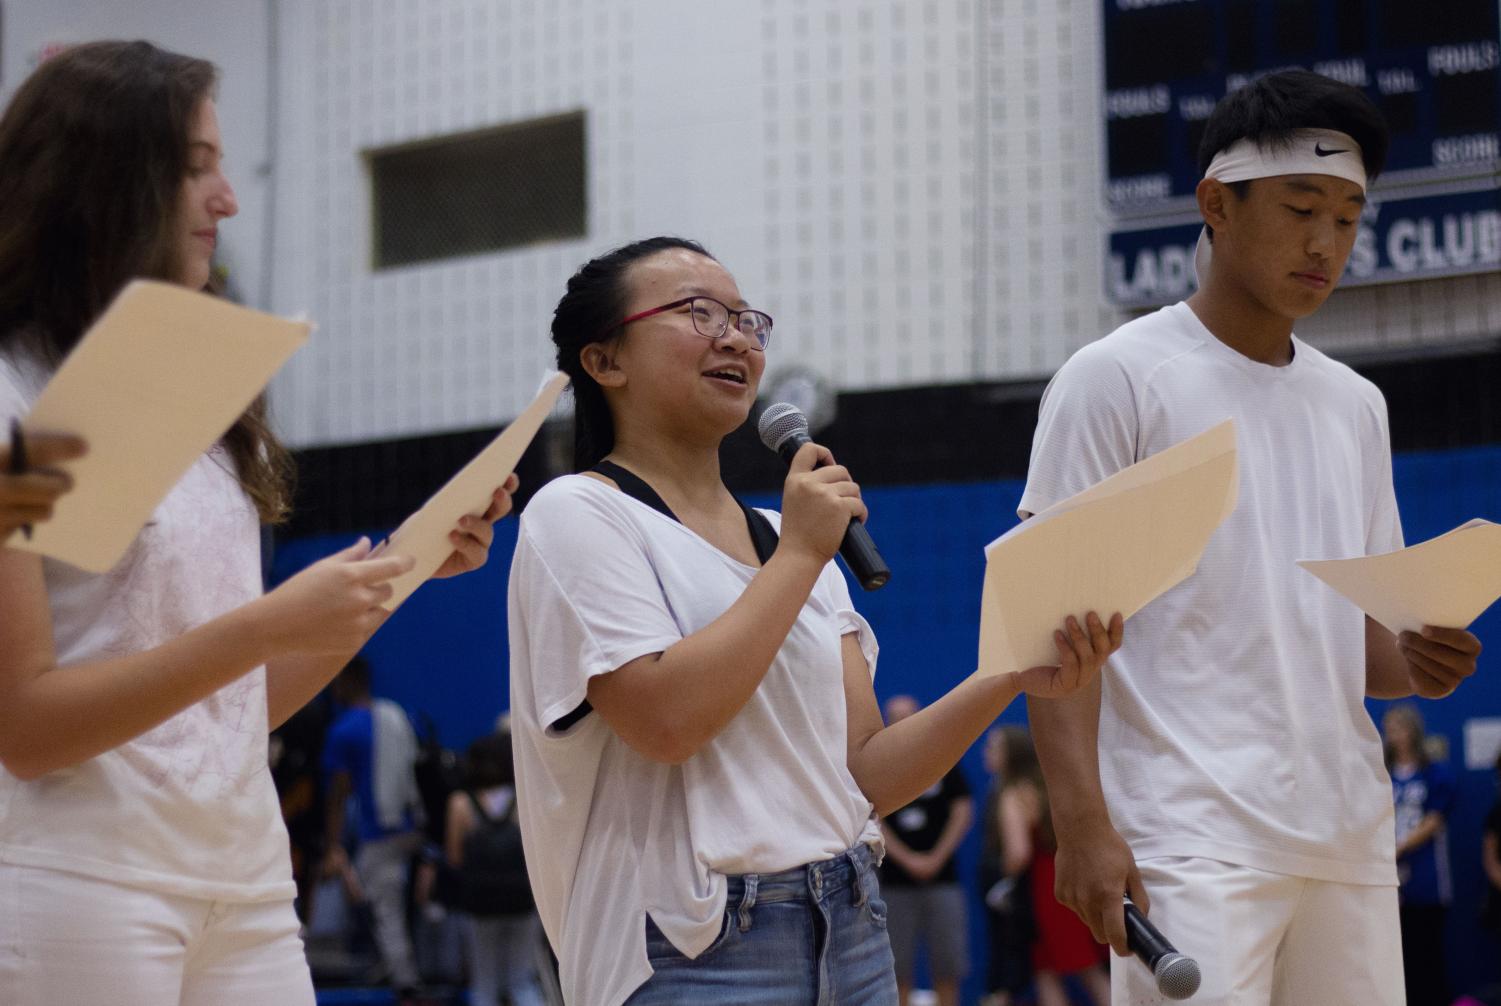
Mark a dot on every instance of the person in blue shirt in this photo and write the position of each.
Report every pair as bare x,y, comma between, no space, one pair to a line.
1423,791
370,754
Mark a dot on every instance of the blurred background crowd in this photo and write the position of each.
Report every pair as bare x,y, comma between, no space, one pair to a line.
412,879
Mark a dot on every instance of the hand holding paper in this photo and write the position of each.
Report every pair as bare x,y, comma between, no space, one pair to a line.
29,482
1112,548
472,537
333,606
1426,595
425,534
1438,660
1081,652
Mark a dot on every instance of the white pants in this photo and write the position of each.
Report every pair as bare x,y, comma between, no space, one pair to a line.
1268,938
67,939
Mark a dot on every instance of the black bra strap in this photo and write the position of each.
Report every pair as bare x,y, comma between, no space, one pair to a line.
763,535
635,487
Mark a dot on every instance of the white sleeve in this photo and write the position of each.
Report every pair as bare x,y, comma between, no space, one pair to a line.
1383,522
586,598
1086,429
848,618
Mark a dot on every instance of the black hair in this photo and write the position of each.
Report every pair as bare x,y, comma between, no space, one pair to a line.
489,763
355,677
1270,109
589,311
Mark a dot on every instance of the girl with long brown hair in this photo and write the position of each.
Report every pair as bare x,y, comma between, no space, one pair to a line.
143,860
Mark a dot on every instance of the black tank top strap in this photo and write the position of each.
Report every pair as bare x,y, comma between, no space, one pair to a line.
763,535
634,486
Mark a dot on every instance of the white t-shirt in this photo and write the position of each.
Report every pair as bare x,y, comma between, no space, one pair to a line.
1233,724
598,580
187,808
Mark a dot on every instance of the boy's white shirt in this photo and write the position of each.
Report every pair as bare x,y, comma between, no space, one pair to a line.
1233,724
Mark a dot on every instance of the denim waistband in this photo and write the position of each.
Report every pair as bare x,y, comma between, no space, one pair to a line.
852,870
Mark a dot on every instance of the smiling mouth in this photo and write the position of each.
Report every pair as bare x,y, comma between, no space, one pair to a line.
726,375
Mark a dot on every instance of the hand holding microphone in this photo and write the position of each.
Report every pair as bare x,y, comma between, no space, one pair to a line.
784,429
1177,976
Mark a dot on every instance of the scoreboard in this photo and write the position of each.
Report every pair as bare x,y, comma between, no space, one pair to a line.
1432,66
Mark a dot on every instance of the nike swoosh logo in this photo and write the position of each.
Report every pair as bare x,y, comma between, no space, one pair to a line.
1319,149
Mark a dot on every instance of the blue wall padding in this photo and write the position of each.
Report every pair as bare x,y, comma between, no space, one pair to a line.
443,654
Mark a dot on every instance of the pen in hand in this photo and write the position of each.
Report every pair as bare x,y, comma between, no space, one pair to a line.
17,464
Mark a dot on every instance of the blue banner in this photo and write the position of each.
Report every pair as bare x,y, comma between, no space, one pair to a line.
1399,239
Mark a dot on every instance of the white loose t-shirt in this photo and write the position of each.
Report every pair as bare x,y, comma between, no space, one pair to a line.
598,580
187,808
1233,724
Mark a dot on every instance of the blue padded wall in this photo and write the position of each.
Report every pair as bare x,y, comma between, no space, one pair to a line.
444,653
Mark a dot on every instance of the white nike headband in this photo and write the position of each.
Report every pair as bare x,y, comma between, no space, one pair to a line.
1305,152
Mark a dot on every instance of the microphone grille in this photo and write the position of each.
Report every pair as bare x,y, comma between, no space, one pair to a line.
1177,976
779,422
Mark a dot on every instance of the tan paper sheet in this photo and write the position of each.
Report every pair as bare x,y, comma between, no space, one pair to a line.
1114,547
1446,581
154,383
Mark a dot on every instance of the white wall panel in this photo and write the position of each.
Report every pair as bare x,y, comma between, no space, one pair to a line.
232,34
824,151
1408,317
912,187
1043,273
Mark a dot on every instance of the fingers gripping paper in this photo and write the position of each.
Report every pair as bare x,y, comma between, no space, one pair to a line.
1446,581
1114,547
424,535
154,383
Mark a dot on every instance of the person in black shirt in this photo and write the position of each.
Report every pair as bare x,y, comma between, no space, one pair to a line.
924,900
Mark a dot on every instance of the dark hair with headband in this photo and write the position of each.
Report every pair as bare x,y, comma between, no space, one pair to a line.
595,302
1270,109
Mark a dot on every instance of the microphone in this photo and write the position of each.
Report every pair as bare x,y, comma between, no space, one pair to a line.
1177,976
784,429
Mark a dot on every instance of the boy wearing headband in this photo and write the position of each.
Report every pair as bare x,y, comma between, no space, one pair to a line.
1225,772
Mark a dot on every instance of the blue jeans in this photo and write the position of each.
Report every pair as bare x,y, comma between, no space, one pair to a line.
811,936
503,955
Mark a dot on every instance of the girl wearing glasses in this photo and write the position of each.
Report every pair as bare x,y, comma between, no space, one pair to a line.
143,859
698,745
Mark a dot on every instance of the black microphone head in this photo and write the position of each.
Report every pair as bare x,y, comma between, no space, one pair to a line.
1177,976
779,423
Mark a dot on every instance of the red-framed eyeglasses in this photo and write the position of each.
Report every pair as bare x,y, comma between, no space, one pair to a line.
711,319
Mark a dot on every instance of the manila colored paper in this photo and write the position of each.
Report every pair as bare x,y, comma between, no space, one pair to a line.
157,380
424,535
1114,547
1446,581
